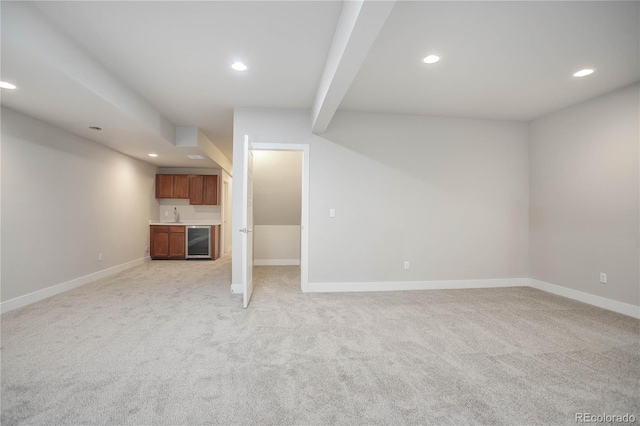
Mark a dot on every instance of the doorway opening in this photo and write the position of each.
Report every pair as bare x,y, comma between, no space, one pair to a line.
245,215
277,220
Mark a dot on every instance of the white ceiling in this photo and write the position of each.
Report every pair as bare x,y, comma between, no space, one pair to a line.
500,60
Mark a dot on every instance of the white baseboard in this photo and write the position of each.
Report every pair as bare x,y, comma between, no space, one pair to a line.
602,302
276,262
413,285
599,301
36,296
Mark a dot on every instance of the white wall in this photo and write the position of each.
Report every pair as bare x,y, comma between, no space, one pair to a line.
276,244
186,210
64,200
448,195
277,187
585,197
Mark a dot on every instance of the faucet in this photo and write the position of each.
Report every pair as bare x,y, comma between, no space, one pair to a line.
176,215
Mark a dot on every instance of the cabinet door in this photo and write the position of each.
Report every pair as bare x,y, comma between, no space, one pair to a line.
164,186
177,248
159,242
180,186
195,189
210,190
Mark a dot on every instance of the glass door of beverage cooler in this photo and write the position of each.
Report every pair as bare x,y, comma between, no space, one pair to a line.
199,242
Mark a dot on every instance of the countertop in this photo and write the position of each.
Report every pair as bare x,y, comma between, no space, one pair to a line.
187,223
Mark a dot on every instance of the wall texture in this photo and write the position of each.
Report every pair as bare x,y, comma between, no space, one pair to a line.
276,244
448,195
585,196
277,187
64,200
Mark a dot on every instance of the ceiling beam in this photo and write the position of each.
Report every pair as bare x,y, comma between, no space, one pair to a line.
358,27
31,33
193,137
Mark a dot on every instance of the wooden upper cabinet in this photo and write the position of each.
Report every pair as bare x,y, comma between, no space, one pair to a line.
199,189
172,186
164,186
210,190
180,186
196,184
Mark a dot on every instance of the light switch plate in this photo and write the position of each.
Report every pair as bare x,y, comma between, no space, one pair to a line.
332,212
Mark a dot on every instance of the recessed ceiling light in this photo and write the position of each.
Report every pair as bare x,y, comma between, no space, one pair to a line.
239,66
5,85
431,59
583,73
153,155
96,128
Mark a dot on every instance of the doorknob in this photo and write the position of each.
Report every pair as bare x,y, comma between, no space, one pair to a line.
246,230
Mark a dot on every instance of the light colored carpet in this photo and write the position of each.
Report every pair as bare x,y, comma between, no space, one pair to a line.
166,344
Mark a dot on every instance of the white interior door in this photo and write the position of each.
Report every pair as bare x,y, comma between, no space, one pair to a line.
247,221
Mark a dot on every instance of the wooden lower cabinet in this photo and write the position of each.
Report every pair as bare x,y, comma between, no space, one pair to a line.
177,243
215,242
167,242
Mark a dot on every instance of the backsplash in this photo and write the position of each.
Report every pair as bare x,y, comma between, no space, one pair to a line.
187,211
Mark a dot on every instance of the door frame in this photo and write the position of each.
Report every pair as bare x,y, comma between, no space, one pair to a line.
304,220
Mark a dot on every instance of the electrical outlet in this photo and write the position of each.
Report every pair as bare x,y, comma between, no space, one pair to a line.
166,214
406,264
146,248
603,278
99,257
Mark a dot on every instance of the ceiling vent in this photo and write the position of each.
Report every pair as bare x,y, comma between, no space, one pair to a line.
195,157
